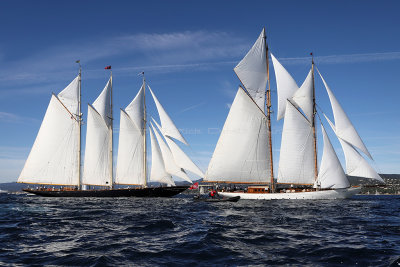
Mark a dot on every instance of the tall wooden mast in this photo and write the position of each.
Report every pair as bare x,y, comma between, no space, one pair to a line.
144,131
269,117
313,121
111,132
79,115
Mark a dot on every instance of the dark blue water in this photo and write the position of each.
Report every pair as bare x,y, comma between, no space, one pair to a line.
364,231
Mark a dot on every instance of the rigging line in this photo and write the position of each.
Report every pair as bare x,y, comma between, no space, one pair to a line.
72,115
299,111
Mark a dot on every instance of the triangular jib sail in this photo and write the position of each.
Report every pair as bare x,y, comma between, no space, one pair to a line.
356,165
331,174
344,128
158,172
168,126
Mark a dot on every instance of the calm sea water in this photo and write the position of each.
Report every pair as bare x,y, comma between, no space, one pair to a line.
364,231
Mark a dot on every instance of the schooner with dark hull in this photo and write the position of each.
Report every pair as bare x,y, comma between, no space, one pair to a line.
121,192
55,158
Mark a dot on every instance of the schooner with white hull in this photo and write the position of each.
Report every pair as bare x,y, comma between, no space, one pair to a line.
56,154
243,153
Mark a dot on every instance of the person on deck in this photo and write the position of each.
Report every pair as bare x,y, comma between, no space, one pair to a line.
212,193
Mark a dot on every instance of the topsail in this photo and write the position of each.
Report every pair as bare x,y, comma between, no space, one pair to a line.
252,70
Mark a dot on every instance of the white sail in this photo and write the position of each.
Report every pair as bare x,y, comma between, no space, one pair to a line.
303,97
296,160
158,172
331,174
344,128
135,109
286,86
242,151
103,103
168,126
356,165
96,169
53,158
252,70
130,165
170,166
70,96
181,159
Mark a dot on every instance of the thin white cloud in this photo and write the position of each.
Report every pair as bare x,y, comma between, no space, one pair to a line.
341,59
192,107
14,118
179,50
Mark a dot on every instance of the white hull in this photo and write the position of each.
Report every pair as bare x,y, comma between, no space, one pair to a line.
324,194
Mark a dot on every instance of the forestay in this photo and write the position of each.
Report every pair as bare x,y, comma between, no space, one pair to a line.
252,70
344,128
296,161
53,158
331,174
242,151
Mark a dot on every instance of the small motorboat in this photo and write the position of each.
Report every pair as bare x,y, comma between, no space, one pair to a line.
216,199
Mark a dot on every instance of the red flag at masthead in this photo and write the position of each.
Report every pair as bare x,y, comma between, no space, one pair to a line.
108,68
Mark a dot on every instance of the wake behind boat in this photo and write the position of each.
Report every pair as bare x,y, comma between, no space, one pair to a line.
55,158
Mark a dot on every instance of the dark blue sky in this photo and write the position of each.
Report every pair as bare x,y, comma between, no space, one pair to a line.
188,50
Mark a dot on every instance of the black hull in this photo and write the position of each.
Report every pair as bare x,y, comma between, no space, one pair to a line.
123,192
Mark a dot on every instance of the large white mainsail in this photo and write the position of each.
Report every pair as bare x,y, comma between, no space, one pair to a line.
158,172
242,151
331,174
97,170
356,165
170,166
130,165
252,70
286,86
53,158
168,126
344,128
296,160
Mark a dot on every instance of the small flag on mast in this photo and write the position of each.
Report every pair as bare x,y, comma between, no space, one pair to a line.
108,68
